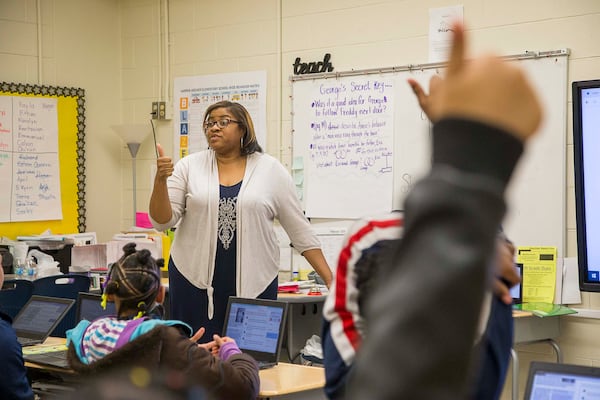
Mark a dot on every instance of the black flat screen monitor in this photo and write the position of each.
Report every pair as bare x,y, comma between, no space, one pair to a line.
586,151
517,290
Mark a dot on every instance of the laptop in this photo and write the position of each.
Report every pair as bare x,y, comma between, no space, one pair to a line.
257,326
48,356
89,308
564,381
38,317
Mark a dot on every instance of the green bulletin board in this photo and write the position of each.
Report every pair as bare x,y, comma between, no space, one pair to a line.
69,105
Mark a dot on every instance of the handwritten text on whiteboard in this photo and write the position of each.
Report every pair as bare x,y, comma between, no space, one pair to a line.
350,147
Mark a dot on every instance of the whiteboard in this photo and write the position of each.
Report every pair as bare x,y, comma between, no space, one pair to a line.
536,197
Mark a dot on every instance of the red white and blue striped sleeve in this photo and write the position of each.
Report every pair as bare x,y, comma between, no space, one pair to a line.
341,309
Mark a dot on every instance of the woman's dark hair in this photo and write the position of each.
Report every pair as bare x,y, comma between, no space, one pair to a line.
240,114
134,279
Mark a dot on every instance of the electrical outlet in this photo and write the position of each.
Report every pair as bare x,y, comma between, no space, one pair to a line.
169,110
154,112
162,110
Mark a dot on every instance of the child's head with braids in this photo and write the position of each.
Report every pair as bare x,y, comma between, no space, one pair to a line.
134,283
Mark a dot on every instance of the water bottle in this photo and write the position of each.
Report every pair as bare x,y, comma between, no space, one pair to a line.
20,268
31,269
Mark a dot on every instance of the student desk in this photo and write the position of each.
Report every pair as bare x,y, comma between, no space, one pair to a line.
292,381
529,328
305,318
282,382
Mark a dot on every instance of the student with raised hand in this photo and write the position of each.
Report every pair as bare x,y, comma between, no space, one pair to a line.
345,325
14,384
133,338
424,313
225,200
495,338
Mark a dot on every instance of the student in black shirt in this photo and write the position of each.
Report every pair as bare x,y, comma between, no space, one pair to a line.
14,383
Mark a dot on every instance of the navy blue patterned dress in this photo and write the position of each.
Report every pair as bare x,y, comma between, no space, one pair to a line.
224,277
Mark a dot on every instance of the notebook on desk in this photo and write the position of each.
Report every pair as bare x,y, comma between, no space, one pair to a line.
564,381
257,326
38,317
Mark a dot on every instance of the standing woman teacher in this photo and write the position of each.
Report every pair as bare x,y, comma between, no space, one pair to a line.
225,200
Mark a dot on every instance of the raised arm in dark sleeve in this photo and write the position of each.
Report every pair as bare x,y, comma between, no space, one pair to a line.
424,314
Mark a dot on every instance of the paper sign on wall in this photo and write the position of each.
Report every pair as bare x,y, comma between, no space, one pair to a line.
539,273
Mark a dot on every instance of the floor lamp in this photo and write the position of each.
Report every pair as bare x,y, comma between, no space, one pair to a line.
133,135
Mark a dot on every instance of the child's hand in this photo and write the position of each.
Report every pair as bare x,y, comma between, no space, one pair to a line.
214,346
199,333
211,347
226,347
508,101
220,340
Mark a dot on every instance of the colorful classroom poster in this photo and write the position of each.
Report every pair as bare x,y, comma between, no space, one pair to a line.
193,95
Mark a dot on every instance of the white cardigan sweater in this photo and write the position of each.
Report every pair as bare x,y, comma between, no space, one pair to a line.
267,192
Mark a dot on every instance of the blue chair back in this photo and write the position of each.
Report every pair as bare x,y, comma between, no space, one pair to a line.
14,294
66,286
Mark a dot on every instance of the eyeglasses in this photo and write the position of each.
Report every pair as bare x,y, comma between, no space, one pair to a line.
221,123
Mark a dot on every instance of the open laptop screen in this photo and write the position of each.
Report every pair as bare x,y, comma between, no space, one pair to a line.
40,315
89,307
562,381
257,326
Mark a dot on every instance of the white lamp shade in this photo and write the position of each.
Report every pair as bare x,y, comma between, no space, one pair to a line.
132,133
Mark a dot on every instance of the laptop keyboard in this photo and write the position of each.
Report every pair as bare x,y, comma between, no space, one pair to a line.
55,358
57,354
27,341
